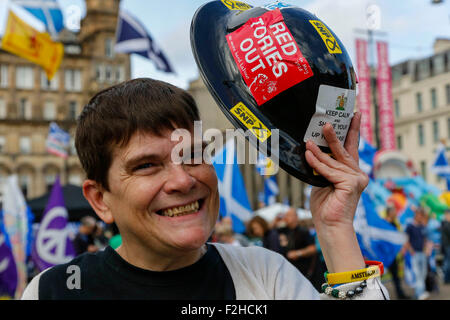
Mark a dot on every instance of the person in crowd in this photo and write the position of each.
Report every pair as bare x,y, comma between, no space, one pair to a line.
84,240
100,239
224,234
391,217
418,246
433,234
258,227
445,245
166,211
300,248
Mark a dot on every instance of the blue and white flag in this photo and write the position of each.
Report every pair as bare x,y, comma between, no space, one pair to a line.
270,190
234,202
366,155
409,275
378,239
440,165
47,11
58,141
132,37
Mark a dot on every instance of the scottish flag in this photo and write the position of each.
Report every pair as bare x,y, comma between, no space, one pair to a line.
270,190
48,11
440,165
132,37
58,141
234,202
378,239
366,156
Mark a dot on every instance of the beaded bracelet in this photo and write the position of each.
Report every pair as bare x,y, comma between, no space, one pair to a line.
336,293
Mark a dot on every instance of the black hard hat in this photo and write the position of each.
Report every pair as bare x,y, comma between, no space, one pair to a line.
275,67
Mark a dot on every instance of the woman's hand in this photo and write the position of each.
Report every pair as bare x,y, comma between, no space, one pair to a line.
333,207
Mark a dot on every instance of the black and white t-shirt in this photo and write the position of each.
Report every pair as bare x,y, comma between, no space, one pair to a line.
106,275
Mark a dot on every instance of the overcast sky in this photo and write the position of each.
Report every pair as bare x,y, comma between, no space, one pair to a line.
411,27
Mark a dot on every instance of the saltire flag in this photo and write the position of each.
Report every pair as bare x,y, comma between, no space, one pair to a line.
234,202
366,156
440,165
270,190
409,275
47,11
266,167
52,244
378,239
26,42
8,268
58,141
132,37
17,222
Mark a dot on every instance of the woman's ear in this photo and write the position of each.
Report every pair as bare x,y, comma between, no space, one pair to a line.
94,193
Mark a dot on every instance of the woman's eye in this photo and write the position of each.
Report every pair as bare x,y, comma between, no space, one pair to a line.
144,166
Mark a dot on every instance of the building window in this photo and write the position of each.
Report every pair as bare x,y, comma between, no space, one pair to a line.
25,145
72,80
3,76
447,92
423,169
435,131
73,108
3,111
24,78
49,110
419,102
438,64
25,109
109,48
109,74
75,179
120,74
72,149
49,84
100,73
448,128
50,179
421,135
434,102
2,144
24,182
397,108
423,69
399,142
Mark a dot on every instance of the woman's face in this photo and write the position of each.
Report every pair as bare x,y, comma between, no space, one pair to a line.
257,229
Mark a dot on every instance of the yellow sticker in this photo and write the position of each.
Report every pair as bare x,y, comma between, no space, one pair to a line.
236,5
327,37
249,120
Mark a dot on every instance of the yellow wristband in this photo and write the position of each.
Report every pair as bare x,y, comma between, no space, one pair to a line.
353,276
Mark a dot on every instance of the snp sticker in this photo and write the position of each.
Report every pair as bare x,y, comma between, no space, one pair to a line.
327,37
277,5
236,5
248,119
335,106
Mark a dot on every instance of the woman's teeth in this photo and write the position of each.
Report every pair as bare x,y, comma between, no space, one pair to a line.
182,210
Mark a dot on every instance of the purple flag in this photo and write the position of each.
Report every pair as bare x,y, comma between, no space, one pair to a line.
8,269
52,245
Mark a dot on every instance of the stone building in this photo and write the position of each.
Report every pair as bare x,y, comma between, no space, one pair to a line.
421,95
29,102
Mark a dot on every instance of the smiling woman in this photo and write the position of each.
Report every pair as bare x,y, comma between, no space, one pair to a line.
166,211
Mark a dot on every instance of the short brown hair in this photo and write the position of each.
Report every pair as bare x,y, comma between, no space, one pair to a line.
113,115
259,220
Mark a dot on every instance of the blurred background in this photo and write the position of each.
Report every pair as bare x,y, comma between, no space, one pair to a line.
56,54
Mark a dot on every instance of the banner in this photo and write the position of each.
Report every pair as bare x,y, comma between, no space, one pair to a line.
17,225
52,245
363,99
26,42
384,93
8,268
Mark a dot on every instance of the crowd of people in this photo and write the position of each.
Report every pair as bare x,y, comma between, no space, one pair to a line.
428,243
